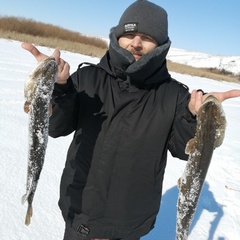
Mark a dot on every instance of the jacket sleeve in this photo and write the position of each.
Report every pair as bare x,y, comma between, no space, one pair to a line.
64,109
184,126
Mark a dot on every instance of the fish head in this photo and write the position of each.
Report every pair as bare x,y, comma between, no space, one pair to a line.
43,75
46,71
211,113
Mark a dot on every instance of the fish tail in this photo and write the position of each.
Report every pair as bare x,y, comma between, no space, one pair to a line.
26,195
29,215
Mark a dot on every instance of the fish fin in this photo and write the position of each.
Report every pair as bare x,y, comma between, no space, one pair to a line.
29,215
179,183
24,198
220,132
190,147
26,195
50,110
26,106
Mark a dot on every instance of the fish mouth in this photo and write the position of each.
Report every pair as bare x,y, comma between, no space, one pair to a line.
49,59
49,65
211,98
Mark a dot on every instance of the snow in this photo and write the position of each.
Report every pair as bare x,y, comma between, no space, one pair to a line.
203,60
218,213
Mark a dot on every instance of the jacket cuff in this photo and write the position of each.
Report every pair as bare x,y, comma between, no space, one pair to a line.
188,115
63,89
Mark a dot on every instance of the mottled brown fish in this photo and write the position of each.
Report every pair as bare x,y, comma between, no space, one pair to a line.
210,131
38,91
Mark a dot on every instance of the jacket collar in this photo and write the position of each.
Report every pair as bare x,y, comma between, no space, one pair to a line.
149,69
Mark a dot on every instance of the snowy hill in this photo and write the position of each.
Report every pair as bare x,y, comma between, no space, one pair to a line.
218,213
203,60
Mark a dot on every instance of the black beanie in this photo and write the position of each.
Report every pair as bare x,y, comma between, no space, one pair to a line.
144,17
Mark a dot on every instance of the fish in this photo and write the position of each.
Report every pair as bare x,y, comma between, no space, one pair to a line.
210,132
37,91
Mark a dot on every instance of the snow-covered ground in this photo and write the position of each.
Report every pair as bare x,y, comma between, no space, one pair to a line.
218,213
203,60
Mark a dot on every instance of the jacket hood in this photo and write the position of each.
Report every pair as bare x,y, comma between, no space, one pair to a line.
149,69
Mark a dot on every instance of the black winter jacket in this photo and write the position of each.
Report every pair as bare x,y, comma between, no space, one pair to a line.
125,118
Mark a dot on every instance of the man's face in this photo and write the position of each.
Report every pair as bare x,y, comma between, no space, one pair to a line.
138,44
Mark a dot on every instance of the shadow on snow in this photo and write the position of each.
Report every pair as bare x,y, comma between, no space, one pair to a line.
166,221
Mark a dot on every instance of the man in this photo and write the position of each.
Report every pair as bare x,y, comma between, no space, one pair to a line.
126,113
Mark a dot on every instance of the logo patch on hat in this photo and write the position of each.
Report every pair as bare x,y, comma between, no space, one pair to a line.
131,27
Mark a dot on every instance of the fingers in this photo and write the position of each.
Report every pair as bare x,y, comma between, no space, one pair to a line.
56,55
63,71
222,96
198,101
29,47
229,94
197,98
66,68
195,102
63,67
34,51
39,55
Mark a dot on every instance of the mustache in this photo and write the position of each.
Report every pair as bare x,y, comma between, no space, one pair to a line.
134,52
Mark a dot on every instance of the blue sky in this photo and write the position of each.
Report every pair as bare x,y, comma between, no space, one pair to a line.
208,26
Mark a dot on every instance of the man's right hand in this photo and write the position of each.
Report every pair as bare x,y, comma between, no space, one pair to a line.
63,67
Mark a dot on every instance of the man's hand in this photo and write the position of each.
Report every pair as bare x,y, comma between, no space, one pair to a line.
63,67
197,98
